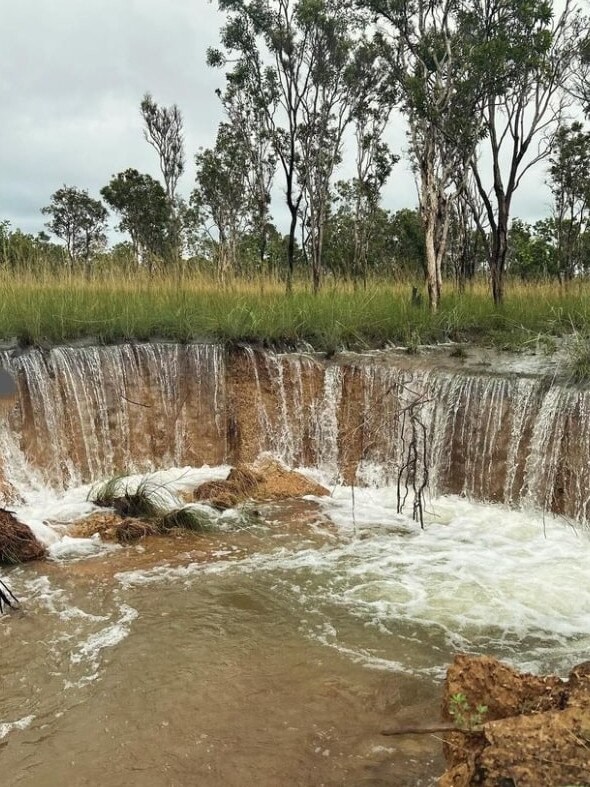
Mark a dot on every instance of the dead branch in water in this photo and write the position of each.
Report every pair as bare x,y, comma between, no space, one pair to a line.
415,459
7,598
422,729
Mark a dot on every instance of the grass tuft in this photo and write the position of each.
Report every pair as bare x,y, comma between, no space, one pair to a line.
578,359
187,519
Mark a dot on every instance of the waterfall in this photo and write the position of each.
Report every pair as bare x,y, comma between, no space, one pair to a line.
92,412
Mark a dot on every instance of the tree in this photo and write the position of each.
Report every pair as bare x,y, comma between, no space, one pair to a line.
292,57
408,241
78,220
163,131
220,197
532,55
439,97
145,213
569,174
531,250
250,124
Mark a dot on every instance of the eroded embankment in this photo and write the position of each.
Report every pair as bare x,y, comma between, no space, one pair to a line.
518,729
88,413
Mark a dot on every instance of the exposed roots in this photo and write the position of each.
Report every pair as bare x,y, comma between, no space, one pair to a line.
7,598
17,542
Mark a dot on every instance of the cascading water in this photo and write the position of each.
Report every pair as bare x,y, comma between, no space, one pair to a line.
88,413
321,622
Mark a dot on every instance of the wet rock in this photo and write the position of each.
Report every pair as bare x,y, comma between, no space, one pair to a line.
264,481
503,690
535,731
104,525
17,542
219,494
130,530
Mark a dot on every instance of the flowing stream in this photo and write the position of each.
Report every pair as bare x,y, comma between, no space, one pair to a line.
274,649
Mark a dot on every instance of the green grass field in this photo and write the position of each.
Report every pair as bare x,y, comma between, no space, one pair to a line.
49,310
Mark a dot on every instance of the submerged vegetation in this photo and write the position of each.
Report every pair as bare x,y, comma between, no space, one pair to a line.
145,511
50,310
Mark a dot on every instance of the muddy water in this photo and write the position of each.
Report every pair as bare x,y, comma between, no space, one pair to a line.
273,651
163,675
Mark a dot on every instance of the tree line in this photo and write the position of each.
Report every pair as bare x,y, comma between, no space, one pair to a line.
487,89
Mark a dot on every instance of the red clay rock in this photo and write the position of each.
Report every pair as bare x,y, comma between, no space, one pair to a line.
266,480
17,542
535,732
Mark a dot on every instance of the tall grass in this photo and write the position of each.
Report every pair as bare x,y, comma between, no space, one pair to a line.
46,309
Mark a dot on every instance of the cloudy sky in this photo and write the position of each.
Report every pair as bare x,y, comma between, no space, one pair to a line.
72,74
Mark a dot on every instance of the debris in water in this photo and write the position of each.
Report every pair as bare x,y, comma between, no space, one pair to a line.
17,541
266,480
7,598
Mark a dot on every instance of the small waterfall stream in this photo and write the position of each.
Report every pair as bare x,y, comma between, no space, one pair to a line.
322,622
87,413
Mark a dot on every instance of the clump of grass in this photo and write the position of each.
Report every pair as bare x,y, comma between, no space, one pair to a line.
578,359
143,503
195,520
105,493
145,511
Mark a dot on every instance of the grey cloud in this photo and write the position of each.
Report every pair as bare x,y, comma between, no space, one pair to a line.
72,74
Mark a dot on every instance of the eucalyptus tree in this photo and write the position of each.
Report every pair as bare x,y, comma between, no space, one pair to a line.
439,96
372,103
164,132
569,173
293,57
145,212
79,220
219,203
251,127
524,58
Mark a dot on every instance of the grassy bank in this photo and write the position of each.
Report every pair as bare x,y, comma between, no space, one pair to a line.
37,311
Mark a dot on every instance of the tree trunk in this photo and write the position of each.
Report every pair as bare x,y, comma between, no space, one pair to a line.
291,249
432,278
498,258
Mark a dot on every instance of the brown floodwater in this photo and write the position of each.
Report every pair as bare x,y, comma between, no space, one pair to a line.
195,661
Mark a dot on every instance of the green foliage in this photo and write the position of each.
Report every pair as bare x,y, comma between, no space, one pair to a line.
195,520
531,250
78,220
465,717
569,173
578,358
21,252
105,493
221,195
145,211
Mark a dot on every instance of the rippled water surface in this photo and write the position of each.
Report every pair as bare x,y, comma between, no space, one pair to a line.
276,649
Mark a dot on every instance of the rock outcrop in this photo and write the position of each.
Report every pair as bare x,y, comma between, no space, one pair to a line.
534,730
266,480
17,541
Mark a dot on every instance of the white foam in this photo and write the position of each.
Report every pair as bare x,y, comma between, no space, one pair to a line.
107,637
49,513
7,727
477,577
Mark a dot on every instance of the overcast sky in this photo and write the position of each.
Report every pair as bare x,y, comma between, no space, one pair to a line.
72,74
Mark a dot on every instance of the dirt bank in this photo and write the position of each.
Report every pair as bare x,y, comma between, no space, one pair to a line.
520,730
